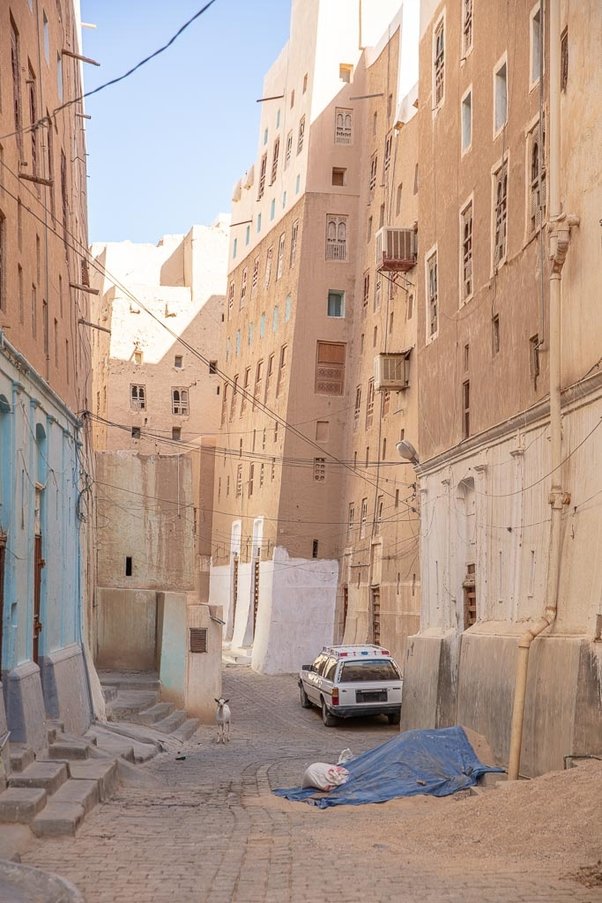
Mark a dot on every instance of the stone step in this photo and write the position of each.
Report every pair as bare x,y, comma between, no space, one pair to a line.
187,729
20,805
82,791
130,680
109,693
20,756
48,775
171,723
130,703
156,713
58,819
103,771
68,749
114,747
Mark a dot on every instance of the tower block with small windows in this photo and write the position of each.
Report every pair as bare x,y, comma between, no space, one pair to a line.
45,459
288,566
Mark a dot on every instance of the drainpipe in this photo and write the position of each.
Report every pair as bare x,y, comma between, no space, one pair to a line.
560,226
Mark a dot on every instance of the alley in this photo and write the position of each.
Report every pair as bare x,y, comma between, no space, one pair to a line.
207,828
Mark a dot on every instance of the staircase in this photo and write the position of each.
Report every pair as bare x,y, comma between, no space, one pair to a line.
53,791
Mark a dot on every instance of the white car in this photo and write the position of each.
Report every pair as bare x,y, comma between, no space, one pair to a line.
352,681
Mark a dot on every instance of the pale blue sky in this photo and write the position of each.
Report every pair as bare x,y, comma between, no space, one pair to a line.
167,144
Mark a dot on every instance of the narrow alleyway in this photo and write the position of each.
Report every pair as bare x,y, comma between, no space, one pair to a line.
207,828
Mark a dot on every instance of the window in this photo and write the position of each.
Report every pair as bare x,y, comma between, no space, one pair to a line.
466,27
466,409
46,37
466,116
305,77
358,407
248,235
495,334
179,401
330,368
32,92
245,390
301,135
388,149
269,374
369,229
366,295
251,478
319,470
373,170
281,371
136,433
230,298
345,72
234,247
370,404
16,77
176,433
259,222
289,149
255,274
138,398
336,237
363,518
439,63
3,263
275,157
534,359
258,381
500,94
381,216
294,238
350,519
432,296
564,59
280,260
262,172
377,292
273,208
466,280
338,176
343,122
177,361
536,46
292,98
268,267
212,366
466,357
243,286
336,303
238,481
398,199
537,177
380,504
500,189
275,318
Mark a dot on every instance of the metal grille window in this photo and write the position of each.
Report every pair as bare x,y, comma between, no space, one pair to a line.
537,183
138,397
238,481
230,298
179,401
255,274
366,291
564,59
336,237
301,135
330,368
500,187
243,286
262,173
370,405
432,295
373,169
466,252
197,639
388,149
343,125
439,62
319,470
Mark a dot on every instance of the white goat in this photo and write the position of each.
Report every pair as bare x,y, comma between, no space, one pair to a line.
222,717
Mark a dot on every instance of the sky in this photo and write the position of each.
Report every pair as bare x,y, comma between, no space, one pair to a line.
167,144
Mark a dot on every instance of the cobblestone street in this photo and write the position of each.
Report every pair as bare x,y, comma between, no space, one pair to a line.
207,828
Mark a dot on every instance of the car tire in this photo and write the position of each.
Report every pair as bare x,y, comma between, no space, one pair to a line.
327,717
304,698
394,718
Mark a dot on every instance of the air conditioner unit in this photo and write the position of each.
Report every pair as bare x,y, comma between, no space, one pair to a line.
392,371
396,249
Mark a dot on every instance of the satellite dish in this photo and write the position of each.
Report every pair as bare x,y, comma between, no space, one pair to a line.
407,451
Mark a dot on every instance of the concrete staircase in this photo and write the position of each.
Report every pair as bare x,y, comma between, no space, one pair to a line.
135,698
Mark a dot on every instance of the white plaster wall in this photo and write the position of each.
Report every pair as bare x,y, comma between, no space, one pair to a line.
296,613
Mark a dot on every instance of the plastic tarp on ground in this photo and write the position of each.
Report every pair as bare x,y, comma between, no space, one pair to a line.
438,762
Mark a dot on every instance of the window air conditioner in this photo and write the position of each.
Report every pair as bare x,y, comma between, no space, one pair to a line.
392,371
396,249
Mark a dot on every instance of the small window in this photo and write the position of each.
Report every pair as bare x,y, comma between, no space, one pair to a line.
138,397
466,408
212,366
319,470
439,63
136,432
330,368
466,27
495,334
314,554
262,175
536,46
345,72
534,358
128,566
177,361
466,115
301,135
466,283
336,303
500,94
564,59
398,199
289,149
432,296
305,77
343,124
336,237
373,172
179,401
176,433
338,176
500,209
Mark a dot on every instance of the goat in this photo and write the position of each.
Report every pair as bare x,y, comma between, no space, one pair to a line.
222,717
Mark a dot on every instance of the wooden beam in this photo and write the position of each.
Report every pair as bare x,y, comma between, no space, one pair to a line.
84,288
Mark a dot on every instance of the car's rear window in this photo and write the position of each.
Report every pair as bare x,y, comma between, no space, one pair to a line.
353,672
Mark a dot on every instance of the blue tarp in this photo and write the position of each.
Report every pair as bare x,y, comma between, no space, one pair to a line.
438,762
